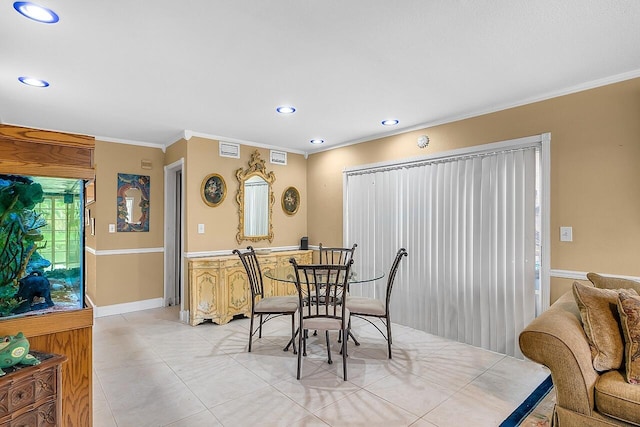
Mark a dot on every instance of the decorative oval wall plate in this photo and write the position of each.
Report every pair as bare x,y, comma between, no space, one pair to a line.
290,200
213,189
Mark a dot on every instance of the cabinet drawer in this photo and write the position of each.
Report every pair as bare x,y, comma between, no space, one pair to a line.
29,394
42,416
27,391
21,395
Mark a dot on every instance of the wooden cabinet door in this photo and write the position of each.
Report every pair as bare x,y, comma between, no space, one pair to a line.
205,291
238,295
267,264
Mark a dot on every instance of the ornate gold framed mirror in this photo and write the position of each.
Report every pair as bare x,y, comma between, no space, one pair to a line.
255,201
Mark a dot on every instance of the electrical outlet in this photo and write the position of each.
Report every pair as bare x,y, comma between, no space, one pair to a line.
200,228
566,234
112,228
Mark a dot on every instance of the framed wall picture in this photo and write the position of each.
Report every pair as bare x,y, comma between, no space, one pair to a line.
290,200
213,189
133,202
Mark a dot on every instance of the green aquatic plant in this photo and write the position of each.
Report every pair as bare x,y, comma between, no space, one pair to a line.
19,234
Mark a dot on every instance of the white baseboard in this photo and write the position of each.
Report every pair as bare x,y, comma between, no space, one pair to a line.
127,307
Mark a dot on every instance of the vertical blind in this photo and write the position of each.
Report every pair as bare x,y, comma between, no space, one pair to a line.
468,224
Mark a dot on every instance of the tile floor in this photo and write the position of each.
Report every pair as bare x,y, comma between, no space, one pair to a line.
152,370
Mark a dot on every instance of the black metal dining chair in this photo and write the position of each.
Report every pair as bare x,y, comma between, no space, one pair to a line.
364,307
336,255
322,297
262,306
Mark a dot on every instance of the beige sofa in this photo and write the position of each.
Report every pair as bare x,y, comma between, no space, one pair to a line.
585,397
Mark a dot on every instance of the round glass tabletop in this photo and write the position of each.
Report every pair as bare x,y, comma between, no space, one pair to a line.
286,274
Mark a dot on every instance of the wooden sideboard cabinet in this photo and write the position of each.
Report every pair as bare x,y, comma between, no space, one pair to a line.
30,396
219,290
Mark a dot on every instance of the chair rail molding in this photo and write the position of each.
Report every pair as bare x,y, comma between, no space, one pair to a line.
225,252
582,275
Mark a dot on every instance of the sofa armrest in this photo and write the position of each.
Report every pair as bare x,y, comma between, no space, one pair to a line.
557,340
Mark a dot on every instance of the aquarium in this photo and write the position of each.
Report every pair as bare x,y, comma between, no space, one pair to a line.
41,245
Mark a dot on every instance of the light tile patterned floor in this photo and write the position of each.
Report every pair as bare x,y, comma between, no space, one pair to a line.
152,370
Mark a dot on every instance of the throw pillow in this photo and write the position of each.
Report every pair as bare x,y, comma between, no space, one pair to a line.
604,282
600,320
629,309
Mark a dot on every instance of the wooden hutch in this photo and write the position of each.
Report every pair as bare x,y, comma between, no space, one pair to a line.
25,151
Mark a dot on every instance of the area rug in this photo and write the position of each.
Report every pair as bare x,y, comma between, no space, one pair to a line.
536,410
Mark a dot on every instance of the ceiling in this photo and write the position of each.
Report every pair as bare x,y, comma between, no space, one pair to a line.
147,71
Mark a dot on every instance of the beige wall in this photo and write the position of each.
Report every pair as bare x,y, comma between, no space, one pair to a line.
116,279
221,222
595,178
595,149
131,277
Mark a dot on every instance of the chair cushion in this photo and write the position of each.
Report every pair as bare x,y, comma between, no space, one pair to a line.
366,306
617,398
277,305
324,323
629,310
601,323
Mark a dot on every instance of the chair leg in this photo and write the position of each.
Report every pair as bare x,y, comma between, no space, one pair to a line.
304,342
292,342
293,332
389,336
301,343
355,341
344,354
260,333
328,347
251,331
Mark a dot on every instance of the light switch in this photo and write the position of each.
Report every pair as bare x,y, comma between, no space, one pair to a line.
200,228
112,228
566,234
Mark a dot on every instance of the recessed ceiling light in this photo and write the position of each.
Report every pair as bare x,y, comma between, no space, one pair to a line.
30,81
317,141
286,109
390,122
35,12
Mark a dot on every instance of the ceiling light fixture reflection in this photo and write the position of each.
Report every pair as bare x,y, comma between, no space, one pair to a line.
30,81
36,12
390,122
286,109
317,141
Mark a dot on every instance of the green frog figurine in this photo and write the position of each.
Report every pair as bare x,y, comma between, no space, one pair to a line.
15,350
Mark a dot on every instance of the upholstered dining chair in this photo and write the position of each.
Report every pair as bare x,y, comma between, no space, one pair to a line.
322,294
336,255
269,307
364,307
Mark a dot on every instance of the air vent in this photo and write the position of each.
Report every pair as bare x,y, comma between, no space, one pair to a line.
278,157
229,149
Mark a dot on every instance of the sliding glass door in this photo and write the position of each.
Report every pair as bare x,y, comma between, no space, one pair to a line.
470,221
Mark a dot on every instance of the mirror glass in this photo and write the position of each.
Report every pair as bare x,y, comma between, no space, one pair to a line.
255,201
133,197
256,207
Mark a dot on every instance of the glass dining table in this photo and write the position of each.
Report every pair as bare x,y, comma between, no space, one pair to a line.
286,275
